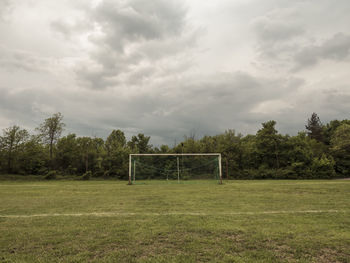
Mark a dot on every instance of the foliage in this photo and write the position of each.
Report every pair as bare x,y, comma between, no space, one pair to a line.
340,147
11,144
323,167
323,151
51,175
51,130
140,143
86,176
315,128
268,145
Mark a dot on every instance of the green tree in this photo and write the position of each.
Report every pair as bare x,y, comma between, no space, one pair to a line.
315,128
229,145
140,143
330,128
323,167
299,156
116,160
116,140
86,148
249,152
32,157
268,145
13,138
340,148
67,154
51,130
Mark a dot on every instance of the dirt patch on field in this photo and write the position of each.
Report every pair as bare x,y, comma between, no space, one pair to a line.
328,255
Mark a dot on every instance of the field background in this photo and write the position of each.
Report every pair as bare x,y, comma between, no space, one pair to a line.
156,221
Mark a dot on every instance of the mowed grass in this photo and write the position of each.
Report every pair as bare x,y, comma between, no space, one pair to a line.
156,221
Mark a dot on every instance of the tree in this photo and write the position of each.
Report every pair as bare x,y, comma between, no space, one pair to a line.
268,144
116,161
139,143
249,152
330,128
51,130
67,153
229,145
13,137
86,147
315,128
32,157
340,147
115,141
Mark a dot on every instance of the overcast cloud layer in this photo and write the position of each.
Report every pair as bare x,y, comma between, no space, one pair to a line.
168,68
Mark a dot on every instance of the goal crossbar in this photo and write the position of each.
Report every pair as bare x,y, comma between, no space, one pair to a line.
176,154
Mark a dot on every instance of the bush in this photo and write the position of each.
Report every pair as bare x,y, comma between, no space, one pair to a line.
86,176
42,171
265,173
51,175
323,167
98,173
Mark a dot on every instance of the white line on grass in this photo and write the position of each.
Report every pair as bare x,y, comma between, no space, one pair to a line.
107,214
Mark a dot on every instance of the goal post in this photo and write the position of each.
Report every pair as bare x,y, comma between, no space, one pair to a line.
132,163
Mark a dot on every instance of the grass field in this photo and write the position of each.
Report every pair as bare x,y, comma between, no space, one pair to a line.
196,221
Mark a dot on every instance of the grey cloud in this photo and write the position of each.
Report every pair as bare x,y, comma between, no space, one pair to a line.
289,36
71,28
216,103
135,19
22,60
173,108
336,48
26,107
277,33
270,29
212,105
134,36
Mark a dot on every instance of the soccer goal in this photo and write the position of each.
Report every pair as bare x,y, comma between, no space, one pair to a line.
175,166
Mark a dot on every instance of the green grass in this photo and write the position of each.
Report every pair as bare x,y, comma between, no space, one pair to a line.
195,221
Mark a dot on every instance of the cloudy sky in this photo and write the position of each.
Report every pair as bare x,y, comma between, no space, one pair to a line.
169,68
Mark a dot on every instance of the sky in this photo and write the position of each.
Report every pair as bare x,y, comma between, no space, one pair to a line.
170,68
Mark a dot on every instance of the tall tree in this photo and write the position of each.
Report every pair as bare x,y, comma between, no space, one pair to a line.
139,143
13,137
340,143
32,156
116,160
268,145
315,128
51,130
67,153
229,145
115,141
86,147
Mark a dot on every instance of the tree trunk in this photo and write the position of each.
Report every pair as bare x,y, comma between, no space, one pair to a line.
9,168
86,163
276,154
227,176
51,143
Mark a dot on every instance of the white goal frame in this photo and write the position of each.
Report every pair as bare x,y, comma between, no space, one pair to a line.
175,154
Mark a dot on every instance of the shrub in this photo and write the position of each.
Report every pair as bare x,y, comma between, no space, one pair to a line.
86,176
323,167
98,173
51,175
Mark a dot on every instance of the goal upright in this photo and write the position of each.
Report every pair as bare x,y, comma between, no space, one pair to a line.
132,165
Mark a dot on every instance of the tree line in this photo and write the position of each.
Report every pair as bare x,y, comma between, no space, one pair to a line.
321,151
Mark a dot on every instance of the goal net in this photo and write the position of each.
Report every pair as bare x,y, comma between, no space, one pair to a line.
175,167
